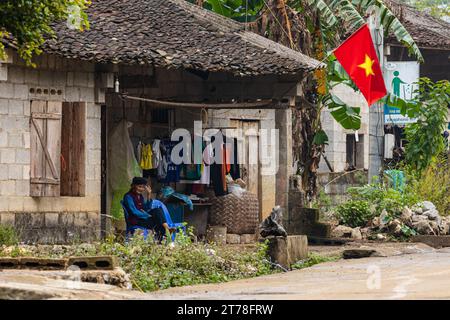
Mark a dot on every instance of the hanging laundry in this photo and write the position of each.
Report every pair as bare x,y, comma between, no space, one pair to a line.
235,169
157,157
204,169
146,157
172,169
162,165
139,151
207,160
192,171
219,172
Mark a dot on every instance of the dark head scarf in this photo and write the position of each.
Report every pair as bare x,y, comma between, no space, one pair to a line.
138,181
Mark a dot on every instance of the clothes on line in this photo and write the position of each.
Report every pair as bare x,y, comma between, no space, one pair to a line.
156,160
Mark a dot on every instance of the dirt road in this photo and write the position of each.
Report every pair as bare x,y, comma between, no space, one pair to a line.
409,276
423,275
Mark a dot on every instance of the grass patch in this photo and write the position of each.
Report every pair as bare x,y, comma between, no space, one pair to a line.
313,258
8,236
153,267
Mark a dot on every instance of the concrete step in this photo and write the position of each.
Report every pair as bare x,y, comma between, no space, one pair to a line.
33,263
94,262
84,263
433,241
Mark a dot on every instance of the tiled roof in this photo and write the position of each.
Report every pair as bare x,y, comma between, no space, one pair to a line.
174,34
426,30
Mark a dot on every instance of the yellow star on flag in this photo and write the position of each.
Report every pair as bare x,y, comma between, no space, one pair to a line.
367,66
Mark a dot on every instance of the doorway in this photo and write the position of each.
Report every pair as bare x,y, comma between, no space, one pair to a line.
248,155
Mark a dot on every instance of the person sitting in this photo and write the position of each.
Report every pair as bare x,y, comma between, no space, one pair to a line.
147,213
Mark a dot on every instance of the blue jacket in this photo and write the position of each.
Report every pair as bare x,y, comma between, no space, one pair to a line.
147,206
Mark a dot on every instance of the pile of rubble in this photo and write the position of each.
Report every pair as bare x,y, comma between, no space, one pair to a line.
423,218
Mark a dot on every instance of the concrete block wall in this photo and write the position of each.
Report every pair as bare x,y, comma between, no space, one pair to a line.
266,118
335,151
47,219
335,184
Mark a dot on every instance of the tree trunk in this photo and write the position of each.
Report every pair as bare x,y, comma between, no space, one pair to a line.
306,153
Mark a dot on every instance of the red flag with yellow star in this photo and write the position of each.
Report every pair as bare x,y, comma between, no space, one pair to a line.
358,57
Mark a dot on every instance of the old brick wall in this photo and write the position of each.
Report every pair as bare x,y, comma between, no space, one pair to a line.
50,219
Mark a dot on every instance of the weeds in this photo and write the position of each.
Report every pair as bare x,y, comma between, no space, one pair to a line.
313,259
153,266
8,236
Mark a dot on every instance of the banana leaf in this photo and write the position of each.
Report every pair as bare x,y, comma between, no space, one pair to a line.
347,116
326,14
347,12
392,24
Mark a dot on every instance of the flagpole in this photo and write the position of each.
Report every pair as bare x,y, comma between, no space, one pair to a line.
376,113
353,33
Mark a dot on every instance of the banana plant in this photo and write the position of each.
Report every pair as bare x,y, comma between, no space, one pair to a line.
391,24
350,13
337,19
345,16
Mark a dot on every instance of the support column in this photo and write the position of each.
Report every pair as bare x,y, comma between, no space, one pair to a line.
376,111
376,140
283,122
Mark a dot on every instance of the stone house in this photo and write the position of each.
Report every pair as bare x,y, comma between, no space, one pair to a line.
142,61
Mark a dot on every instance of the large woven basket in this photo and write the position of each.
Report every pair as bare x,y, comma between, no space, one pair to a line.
239,214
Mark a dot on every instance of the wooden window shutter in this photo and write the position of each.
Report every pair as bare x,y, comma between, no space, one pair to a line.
45,139
73,147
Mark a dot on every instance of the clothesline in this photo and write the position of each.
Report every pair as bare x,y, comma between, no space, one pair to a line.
263,104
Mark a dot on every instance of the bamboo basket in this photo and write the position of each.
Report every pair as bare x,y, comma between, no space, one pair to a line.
239,214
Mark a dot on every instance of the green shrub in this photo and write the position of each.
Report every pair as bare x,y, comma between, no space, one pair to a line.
354,213
381,197
8,236
433,185
424,136
322,201
153,267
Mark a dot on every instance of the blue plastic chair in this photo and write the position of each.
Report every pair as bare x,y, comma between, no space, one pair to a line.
171,224
131,229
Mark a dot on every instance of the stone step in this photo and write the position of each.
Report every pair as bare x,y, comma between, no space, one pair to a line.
33,263
433,241
289,250
9,263
43,264
84,263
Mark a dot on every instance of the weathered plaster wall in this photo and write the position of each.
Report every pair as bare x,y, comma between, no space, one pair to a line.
50,219
336,184
336,150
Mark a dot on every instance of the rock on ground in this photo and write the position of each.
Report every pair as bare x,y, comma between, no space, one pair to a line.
341,231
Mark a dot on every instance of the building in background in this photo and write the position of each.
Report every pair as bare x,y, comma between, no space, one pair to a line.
349,150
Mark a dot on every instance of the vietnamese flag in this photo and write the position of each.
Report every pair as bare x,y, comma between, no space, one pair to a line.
358,57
